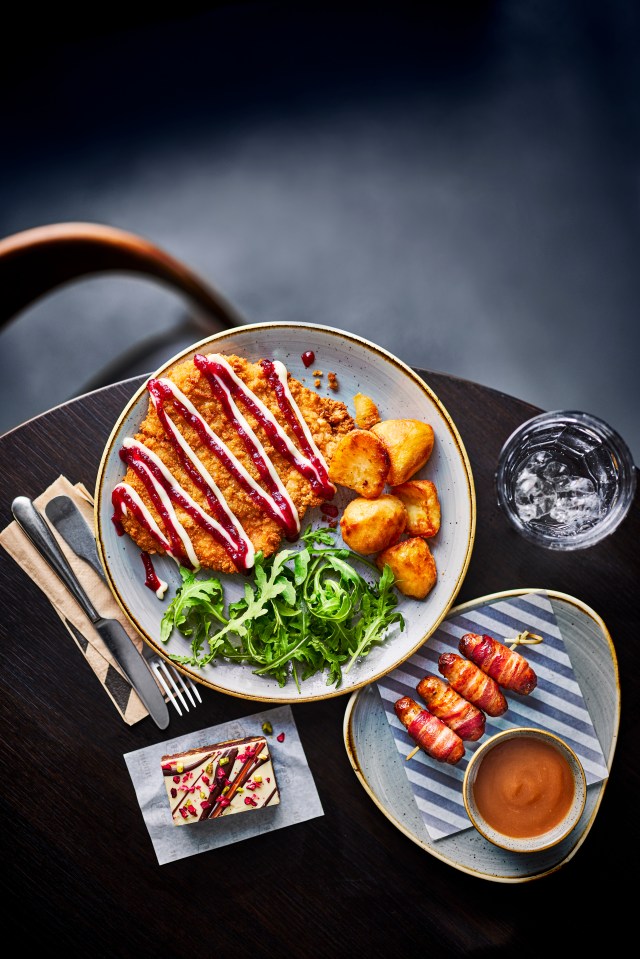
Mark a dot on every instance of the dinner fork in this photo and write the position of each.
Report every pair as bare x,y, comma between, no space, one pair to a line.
172,681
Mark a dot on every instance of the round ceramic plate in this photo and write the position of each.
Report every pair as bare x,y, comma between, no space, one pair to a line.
378,765
360,366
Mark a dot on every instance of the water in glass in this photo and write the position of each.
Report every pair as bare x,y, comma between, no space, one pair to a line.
565,479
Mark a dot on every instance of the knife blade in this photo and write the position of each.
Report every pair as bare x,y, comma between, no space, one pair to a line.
66,518
112,632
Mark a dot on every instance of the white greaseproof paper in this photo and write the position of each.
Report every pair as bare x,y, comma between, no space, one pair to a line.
299,799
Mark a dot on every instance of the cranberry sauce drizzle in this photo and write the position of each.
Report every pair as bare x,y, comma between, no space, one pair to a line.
225,384
329,509
139,460
316,469
125,499
165,491
308,357
152,581
235,541
157,478
285,515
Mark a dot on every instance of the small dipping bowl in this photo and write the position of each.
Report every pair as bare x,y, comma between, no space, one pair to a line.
524,789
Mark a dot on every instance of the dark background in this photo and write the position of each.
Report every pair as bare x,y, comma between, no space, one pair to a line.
456,182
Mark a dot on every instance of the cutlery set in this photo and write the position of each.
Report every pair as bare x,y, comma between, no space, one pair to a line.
66,518
70,523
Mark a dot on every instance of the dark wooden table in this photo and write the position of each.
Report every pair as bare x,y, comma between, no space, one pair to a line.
79,871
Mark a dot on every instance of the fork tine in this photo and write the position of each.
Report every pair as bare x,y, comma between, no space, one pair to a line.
192,687
172,674
161,668
178,676
156,668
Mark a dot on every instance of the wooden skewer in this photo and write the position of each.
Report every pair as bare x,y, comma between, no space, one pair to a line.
525,638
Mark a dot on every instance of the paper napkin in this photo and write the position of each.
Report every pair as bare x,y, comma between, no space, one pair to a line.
299,799
556,704
107,670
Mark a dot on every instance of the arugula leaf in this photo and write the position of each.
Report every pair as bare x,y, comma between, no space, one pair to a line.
377,615
308,610
197,604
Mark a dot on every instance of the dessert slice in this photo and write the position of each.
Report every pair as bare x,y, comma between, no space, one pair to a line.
219,780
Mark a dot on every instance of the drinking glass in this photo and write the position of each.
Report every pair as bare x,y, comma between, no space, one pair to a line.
565,479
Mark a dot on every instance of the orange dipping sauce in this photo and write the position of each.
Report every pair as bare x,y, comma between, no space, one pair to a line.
523,787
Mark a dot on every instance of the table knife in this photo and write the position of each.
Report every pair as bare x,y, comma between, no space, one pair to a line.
111,631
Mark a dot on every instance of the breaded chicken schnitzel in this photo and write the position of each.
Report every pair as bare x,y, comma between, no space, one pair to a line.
228,459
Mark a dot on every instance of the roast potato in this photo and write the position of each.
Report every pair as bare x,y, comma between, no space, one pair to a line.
367,414
369,525
360,462
420,500
409,444
413,566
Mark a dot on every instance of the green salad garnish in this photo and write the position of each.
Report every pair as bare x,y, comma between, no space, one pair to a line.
307,610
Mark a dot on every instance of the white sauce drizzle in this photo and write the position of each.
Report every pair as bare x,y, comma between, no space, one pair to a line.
273,473
299,458
130,491
204,472
297,455
166,501
281,372
162,588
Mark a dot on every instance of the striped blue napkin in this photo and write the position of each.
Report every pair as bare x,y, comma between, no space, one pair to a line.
556,704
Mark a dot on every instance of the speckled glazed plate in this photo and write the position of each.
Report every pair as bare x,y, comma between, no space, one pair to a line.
378,765
360,366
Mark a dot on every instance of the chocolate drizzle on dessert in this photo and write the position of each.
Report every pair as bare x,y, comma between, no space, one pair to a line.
170,769
251,763
203,783
219,782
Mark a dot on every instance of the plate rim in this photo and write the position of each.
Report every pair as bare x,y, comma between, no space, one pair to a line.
340,334
349,743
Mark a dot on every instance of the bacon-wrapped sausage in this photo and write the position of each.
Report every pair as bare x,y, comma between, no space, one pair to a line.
429,732
509,669
476,687
443,701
